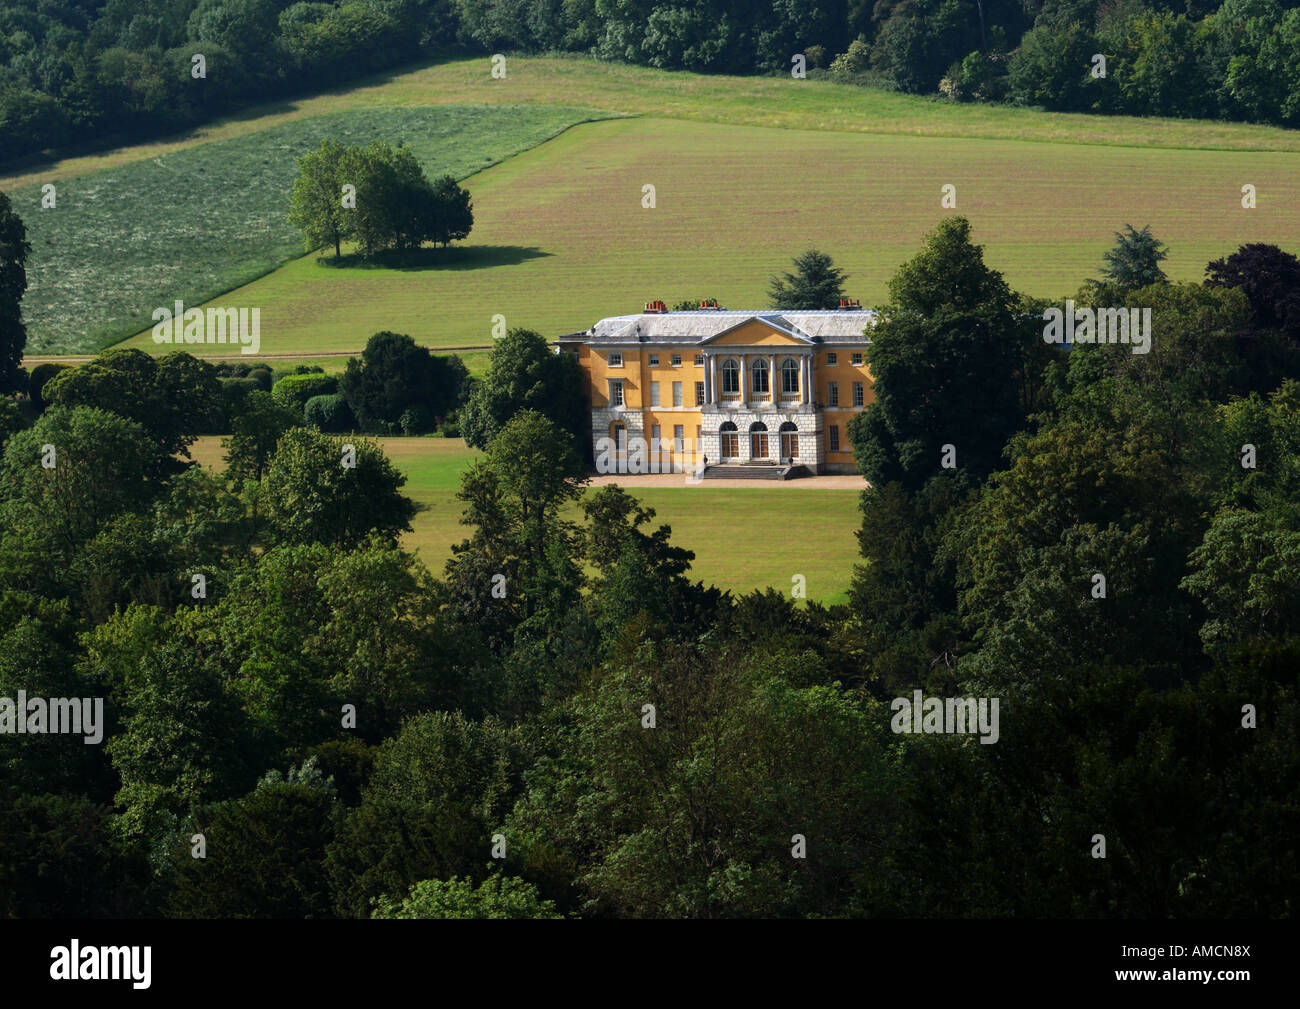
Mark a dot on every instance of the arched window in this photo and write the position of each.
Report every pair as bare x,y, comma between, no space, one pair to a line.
760,375
790,376
730,375
730,440
758,440
789,441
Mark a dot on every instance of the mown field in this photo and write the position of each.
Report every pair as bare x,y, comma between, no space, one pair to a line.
742,537
196,222
561,238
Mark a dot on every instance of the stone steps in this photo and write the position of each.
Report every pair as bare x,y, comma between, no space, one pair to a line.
742,472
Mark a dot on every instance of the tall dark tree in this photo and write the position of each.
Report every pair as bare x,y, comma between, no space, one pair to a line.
944,356
397,378
816,283
1135,259
14,248
1270,279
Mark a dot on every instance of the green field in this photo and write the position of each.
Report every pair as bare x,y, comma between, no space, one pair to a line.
195,223
561,238
748,171
741,536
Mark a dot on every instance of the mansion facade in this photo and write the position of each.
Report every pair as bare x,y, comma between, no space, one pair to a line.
719,386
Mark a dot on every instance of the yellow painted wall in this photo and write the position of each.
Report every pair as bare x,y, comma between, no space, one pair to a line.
637,374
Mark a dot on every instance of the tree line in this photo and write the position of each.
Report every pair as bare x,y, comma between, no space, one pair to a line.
125,70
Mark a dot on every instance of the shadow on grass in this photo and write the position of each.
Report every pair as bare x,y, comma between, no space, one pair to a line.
464,257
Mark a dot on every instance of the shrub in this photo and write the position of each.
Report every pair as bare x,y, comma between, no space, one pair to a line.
41,374
262,376
330,414
295,390
233,369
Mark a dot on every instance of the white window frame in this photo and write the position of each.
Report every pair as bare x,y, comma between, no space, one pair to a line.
615,359
832,394
654,360
654,393
677,394
790,372
857,358
831,358
730,372
857,394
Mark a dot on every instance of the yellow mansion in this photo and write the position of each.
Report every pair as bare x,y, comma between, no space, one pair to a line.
717,386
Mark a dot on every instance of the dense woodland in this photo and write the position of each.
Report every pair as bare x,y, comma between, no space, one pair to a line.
355,735
117,70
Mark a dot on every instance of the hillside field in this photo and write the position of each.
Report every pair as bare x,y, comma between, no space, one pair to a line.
741,536
748,171
196,222
561,238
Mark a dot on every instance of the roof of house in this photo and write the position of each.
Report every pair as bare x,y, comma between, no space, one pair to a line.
703,325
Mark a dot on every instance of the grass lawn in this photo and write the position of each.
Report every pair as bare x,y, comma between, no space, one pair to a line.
197,222
561,238
741,536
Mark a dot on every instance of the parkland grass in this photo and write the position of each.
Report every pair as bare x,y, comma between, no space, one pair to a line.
561,238
703,519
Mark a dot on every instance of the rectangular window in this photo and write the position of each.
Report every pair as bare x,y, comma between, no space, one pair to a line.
699,393
699,360
615,359
654,360
833,394
830,358
654,435
790,378
654,393
677,394
679,438
835,438
857,393
677,360
616,393
857,357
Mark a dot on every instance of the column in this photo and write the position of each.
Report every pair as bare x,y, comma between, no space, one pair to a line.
744,387
806,380
771,381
